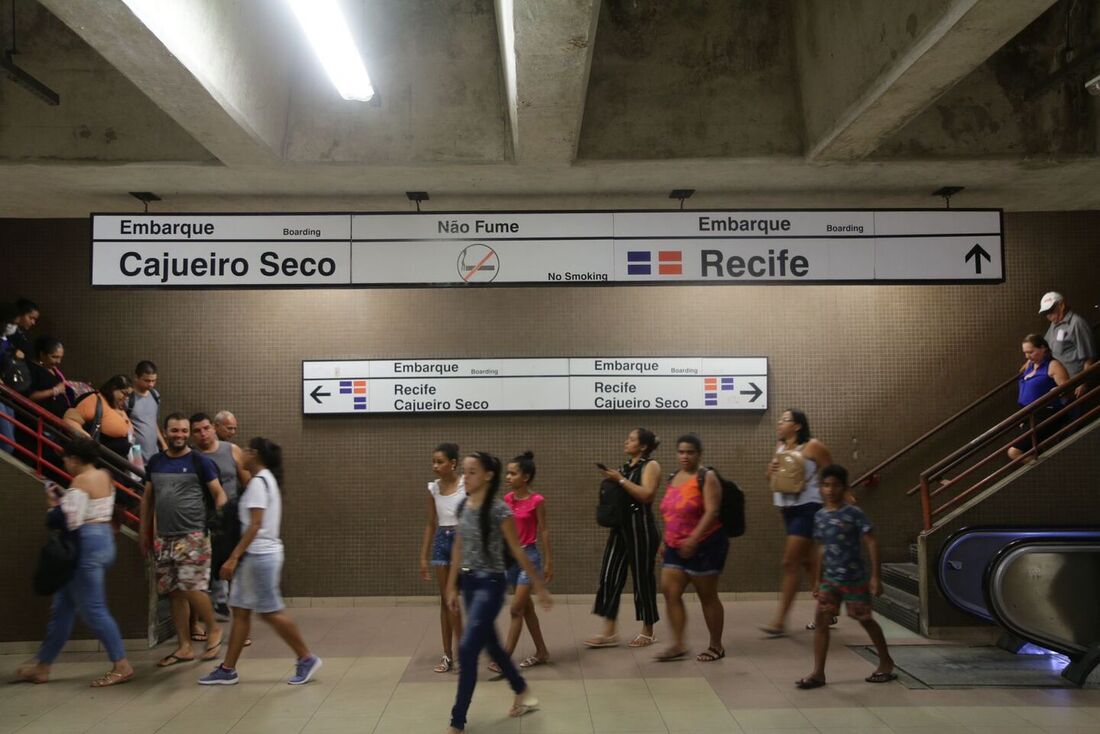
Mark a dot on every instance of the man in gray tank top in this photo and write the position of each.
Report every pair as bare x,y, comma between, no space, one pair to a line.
234,478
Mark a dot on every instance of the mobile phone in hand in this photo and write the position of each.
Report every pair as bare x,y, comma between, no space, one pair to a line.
600,466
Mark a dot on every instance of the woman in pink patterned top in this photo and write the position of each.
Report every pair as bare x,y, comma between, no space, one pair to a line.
695,549
529,513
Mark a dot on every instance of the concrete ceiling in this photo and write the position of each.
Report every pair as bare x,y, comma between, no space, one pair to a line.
488,104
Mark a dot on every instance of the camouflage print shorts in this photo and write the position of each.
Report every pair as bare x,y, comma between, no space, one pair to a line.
183,563
854,594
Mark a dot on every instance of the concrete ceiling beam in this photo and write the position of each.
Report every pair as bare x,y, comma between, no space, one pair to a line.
546,61
214,67
867,68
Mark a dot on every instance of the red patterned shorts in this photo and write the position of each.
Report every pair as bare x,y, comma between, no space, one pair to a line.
183,563
854,594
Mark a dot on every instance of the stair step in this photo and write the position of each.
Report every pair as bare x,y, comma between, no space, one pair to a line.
904,576
899,606
913,553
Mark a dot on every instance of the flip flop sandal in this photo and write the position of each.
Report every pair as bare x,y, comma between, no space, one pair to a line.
211,652
808,684
526,706
444,666
248,642
773,632
494,668
601,641
642,640
531,661
813,625
669,655
174,659
198,636
28,677
111,678
710,655
881,677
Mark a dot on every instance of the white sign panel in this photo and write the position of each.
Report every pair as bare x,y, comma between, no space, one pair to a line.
548,248
489,385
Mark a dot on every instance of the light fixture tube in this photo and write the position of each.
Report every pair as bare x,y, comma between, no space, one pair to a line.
327,30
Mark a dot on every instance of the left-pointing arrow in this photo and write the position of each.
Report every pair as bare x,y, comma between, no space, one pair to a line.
317,394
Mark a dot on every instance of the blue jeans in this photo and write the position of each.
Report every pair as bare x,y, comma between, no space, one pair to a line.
483,595
7,429
85,594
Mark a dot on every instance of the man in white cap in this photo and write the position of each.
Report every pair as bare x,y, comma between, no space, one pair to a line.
1070,336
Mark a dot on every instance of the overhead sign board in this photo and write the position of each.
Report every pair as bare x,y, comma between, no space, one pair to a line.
493,385
548,248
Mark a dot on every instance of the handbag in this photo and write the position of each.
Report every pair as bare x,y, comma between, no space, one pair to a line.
17,376
58,558
613,509
790,477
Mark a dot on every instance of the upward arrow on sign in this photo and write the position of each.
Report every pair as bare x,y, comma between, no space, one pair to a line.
976,253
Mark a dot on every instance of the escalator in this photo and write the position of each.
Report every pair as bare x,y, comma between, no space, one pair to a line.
1040,585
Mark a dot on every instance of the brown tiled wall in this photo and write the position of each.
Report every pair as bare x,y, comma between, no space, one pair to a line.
873,366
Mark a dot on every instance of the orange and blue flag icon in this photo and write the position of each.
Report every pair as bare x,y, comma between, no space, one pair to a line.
358,391
712,386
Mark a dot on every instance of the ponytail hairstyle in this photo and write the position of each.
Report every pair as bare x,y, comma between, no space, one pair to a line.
649,441
797,416
491,464
526,464
270,454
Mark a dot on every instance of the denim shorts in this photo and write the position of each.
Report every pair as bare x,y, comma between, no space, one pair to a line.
516,575
709,558
256,583
442,544
799,519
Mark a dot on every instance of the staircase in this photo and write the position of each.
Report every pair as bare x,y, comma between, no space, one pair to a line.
958,486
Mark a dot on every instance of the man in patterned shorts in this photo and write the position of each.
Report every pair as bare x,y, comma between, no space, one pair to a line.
838,528
177,481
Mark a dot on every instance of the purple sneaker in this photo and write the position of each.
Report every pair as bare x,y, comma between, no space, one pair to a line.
304,670
220,676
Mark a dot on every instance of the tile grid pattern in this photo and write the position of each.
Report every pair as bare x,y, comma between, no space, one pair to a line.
872,366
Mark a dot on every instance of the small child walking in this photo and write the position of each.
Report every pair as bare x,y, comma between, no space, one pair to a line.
838,528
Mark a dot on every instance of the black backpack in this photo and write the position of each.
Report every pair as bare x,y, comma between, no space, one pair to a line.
131,401
613,509
731,511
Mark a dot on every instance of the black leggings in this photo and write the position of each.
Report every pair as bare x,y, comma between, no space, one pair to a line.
634,546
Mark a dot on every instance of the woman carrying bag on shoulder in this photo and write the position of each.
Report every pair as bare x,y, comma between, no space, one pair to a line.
793,475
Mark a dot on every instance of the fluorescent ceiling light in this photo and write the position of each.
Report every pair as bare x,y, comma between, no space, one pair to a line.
328,33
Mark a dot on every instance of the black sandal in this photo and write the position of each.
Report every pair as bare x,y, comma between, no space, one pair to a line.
881,677
808,683
710,655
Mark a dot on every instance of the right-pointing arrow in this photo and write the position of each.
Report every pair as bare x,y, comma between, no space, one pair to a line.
755,392
976,253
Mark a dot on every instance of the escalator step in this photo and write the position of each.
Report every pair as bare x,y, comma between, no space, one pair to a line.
899,606
902,575
913,553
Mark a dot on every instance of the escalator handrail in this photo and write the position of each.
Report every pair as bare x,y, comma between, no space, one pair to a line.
1007,553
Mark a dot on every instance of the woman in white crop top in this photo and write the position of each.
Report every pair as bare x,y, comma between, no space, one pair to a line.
85,509
445,494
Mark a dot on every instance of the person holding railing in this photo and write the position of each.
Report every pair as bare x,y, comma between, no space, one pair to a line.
1040,374
49,388
86,509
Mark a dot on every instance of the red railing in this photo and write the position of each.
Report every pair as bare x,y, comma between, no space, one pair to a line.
1046,421
872,477
48,433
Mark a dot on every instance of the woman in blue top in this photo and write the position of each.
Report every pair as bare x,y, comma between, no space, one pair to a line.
1040,374
485,526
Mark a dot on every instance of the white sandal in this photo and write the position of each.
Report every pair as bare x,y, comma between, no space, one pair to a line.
642,640
445,665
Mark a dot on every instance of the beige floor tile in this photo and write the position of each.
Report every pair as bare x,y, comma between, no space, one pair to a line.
777,718
1092,729
609,720
838,717
552,720
912,717
984,716
701,718
1048,716
266,725
340,724
941,729
181,725
882,729
1005,729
